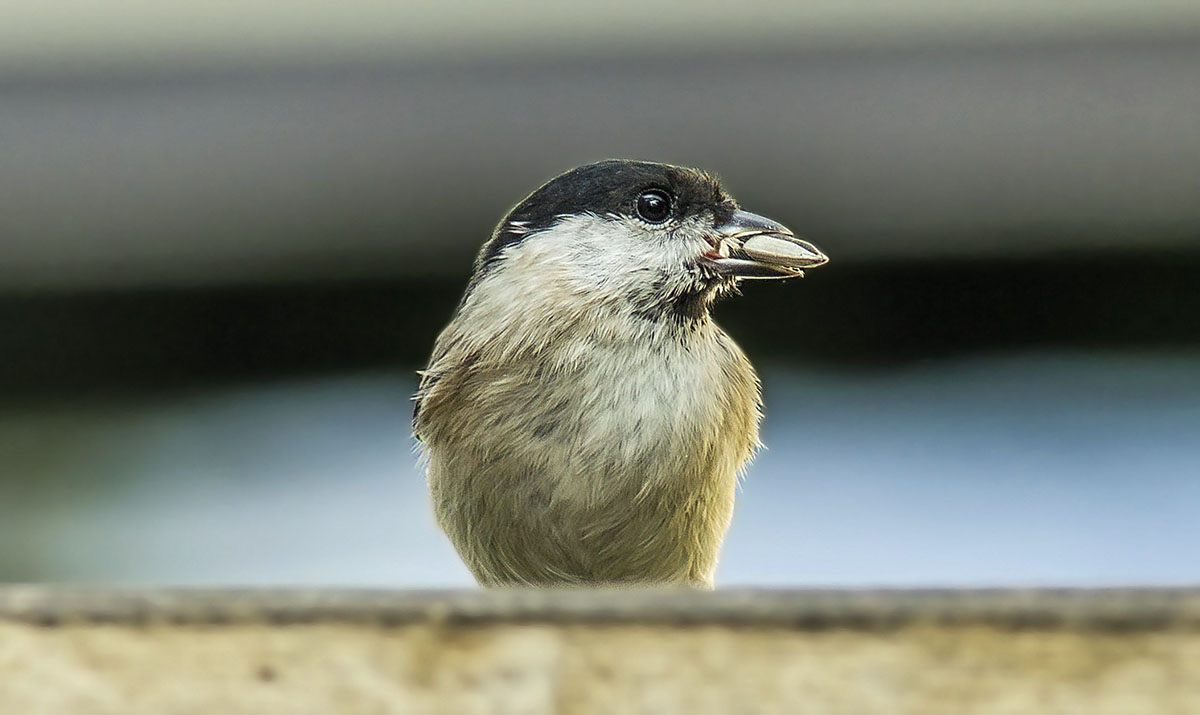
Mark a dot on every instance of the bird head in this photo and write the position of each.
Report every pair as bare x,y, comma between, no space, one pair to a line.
656,237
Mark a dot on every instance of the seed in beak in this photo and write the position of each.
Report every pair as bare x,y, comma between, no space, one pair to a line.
766,248
720,249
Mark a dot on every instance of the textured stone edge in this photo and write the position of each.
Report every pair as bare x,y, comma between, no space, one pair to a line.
1085,609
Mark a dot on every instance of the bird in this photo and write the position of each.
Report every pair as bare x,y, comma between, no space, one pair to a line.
582,419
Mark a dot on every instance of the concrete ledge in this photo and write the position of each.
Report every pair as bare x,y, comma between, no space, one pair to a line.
1105,609
99,651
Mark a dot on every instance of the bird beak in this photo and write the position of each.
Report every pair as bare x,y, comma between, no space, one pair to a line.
753,246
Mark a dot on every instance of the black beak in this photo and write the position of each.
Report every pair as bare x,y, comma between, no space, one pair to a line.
753,246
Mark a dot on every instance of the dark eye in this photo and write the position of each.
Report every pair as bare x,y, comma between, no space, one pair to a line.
654,206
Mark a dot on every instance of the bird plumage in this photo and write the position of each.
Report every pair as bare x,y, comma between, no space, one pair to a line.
583,418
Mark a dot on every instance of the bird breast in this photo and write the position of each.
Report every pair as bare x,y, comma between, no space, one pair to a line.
604,446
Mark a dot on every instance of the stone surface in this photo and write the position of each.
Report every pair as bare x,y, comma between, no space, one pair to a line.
71,651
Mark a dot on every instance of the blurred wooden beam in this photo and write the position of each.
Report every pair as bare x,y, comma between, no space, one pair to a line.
328,169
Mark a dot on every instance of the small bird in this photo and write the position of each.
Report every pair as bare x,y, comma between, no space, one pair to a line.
583,419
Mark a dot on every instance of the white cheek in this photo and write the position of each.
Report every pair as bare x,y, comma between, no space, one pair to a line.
617,253
574,268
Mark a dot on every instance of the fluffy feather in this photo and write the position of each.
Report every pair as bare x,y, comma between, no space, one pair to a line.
583,418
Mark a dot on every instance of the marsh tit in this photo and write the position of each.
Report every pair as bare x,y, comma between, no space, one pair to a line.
583,419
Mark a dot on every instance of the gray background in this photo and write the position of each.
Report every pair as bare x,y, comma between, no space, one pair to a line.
228,237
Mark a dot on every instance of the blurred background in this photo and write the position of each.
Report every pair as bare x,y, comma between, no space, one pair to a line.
230,233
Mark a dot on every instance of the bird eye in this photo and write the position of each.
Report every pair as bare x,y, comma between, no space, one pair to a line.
654,206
